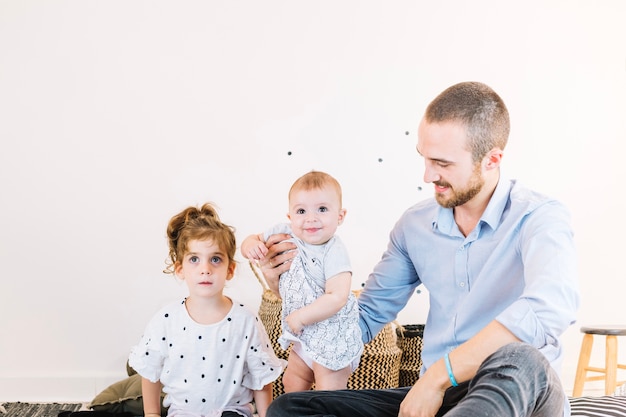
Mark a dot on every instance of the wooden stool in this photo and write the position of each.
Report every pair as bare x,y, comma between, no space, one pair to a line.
609,372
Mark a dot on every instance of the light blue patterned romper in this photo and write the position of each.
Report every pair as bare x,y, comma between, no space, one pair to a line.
335,342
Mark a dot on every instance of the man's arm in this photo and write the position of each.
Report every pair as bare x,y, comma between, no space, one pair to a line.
426,396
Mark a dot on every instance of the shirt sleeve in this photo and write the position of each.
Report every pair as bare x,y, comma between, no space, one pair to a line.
277,228
262,363
337,259
148,356
548,304
389,287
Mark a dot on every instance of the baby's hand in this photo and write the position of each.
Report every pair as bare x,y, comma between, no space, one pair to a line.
294,323
254,250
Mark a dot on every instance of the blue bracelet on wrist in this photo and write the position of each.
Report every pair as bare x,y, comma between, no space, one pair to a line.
446,358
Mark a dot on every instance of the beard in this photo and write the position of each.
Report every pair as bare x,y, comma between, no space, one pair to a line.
461,196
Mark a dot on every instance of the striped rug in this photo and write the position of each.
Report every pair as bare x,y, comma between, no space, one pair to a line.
607,406
20,409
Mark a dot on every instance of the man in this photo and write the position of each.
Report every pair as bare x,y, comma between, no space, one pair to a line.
499,264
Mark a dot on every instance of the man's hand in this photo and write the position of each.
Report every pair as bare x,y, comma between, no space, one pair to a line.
277,259
423,400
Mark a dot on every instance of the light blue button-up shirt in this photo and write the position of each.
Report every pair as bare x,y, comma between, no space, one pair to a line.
518,266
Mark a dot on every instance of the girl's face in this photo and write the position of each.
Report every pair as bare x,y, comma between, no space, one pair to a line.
205,268
315,214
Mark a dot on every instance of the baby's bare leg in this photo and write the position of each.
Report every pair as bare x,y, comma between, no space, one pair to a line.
326,379
298,376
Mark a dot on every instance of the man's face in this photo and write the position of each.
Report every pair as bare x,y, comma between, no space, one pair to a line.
448,163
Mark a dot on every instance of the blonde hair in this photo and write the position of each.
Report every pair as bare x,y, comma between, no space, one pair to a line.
195,223
315,180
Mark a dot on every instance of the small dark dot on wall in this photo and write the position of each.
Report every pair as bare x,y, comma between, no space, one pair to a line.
419,188
406,133
288,152
380,159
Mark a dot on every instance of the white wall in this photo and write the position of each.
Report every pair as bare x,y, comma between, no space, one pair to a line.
114,115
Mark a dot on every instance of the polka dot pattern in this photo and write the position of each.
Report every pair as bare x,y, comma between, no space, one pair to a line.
229,359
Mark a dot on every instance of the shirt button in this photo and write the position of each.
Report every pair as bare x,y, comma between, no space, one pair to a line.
461,284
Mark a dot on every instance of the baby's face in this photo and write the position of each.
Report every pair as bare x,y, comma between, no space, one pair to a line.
315,214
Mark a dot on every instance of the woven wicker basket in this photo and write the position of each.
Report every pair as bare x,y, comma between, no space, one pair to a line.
410,342
380,363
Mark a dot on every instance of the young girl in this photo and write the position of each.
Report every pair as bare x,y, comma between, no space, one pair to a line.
209,354
320,313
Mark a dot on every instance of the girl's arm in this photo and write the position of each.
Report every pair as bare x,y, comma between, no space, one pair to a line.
335,297
262,399
151,392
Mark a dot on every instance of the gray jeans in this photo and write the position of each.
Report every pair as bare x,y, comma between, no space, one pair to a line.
515,381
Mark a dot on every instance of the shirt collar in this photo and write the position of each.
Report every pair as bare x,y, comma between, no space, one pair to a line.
493,213
444,219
